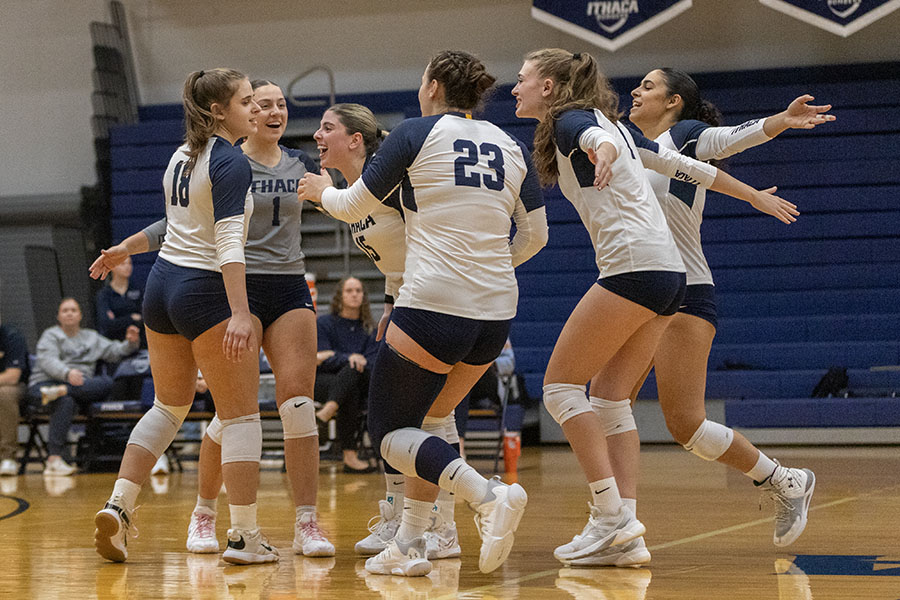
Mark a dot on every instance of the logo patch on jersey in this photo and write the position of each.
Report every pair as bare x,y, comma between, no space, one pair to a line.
609,24
840,17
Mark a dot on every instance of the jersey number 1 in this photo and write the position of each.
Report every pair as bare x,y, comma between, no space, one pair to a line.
470,158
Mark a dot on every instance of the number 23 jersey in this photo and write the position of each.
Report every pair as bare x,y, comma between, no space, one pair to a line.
461,180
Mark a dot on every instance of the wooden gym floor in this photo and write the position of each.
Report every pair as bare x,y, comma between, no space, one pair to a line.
706,530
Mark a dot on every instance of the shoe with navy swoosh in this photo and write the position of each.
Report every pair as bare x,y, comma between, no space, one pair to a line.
248,547
601,532
497,520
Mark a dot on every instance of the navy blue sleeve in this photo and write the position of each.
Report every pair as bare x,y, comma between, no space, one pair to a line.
329,339
530,193
569,127
640,141
230,175
398,151
303,157
685,135
15,350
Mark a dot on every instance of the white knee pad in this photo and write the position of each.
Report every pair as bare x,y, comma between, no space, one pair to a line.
710,441
565,400
399,449
241,439
298,418
214,430
442,427
615,416
157,428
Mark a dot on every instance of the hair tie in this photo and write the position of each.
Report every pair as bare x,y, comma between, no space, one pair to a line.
576,56
200,75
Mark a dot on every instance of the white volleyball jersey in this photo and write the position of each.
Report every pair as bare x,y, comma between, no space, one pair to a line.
273,239
461,181
683,203
382,236
217,188
626,224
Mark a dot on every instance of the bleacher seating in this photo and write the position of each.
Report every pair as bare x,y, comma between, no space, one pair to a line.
793,300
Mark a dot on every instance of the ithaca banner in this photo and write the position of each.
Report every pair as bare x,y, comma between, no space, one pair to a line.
609,24
842,17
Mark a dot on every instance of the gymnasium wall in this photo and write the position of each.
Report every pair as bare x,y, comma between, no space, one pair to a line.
371,46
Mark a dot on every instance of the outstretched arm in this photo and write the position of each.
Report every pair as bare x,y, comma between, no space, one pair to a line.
722,142
136,243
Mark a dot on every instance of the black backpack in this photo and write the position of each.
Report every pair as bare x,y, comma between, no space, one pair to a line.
833,383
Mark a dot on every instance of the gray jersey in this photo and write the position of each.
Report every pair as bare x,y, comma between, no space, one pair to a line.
273,237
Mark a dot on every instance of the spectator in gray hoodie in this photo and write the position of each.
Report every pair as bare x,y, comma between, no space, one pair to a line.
65,374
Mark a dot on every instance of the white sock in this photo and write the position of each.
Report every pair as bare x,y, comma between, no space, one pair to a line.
445,506
243,516
395,486
127,491
210,504
605,495
464,481
631,503
305,509
763,469
415,519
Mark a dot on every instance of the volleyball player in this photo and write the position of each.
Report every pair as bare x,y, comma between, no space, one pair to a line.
462,181
347,138
618,323
667,108
279,297
196,315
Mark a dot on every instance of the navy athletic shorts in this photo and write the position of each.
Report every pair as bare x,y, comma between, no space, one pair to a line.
184,301
700,301
660,291
452,339
271,296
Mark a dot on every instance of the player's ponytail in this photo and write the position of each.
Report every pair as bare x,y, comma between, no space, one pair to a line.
201,90
579,85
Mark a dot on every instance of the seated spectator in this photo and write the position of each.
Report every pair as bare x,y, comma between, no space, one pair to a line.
346,347
119,304
65,374
13,374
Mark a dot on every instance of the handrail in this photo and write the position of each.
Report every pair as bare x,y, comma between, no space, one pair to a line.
304,74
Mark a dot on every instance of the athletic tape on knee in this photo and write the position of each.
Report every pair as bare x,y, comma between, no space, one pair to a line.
214,430
443,427
615,416
565,400
710,441
399,448
298,418
157,428
241,439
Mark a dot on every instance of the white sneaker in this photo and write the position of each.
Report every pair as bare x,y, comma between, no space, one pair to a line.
497,521
57,466
8,467
114,525
49,393
161,467
792,490
202,532
247,547
601,532
442,541
309,538
406,559
383,529
630,554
